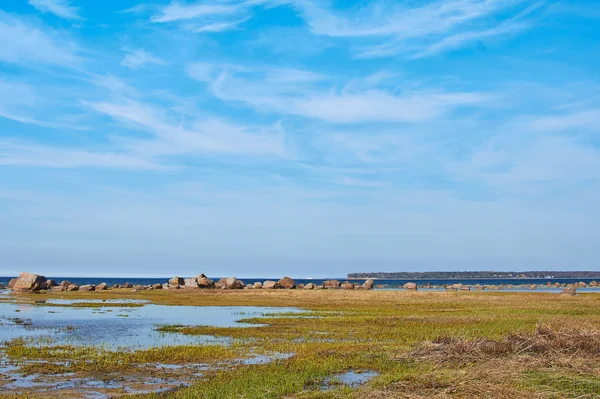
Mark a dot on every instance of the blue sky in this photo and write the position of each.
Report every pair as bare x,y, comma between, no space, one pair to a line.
300,137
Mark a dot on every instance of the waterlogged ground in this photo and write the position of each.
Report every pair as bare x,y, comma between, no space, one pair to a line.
314,344
112,324
72,329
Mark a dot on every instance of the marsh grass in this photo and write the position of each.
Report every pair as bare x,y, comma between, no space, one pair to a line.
67,358
422,344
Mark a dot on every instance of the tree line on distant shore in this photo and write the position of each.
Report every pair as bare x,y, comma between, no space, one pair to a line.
475,274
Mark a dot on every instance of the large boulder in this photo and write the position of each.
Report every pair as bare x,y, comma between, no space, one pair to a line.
231,283
157,286
136,287
12,283
205,282
569,291
174,281
270,285
190,282
368,284
49,284
87,288
101,287
287,283
64,284
309,286
29,282
331,284
73,287
346,285
410,286
258,285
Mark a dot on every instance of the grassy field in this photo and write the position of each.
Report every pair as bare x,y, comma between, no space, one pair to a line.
421,344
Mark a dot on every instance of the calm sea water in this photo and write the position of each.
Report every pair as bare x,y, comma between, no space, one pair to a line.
391,283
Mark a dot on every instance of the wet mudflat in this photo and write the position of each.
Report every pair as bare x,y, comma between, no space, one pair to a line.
352,344
113,326
108,328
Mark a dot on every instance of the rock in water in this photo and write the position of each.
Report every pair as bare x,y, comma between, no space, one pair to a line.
569,291
270,285
410,286
368,285
287,283
29,282
332,284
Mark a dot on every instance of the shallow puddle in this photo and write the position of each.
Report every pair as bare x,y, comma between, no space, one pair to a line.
352,378
114,326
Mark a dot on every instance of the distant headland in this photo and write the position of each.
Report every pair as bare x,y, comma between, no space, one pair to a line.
474,275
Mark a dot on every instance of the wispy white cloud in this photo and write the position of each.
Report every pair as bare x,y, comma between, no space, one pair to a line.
19,153
203,136
218,26
303,93
29,45
23,103
60,8
389,28
209,16
137,59
582,119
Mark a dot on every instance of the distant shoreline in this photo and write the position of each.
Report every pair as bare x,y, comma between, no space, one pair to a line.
479,275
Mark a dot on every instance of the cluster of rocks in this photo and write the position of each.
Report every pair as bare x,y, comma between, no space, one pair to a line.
232,283
35,282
